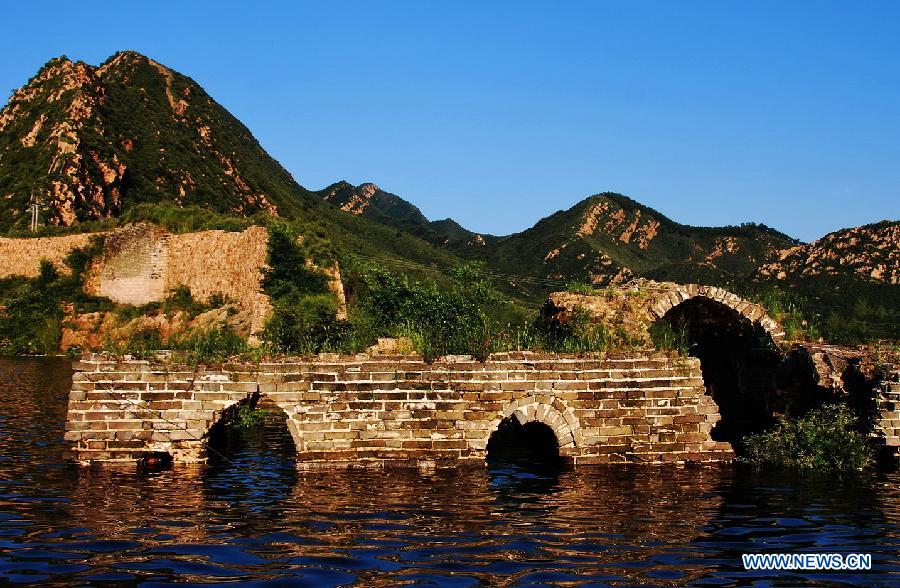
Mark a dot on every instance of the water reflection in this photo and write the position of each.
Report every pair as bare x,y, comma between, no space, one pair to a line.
251,515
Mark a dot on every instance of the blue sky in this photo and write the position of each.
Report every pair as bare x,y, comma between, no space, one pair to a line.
499,113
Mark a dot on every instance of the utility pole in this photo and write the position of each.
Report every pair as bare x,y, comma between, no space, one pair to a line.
34,205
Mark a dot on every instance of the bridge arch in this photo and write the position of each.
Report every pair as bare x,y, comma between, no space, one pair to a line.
681,293
736,342
214,433
531,412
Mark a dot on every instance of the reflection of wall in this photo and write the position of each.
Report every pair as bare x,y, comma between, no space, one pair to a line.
377,410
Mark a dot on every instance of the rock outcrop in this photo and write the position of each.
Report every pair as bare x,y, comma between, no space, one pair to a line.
870,251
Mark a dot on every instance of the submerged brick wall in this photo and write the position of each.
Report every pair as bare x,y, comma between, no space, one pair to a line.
399,410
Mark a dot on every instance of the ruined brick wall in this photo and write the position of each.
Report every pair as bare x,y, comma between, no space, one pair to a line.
22,257
634,306
888,425
132,267
399,410
142,263
219,262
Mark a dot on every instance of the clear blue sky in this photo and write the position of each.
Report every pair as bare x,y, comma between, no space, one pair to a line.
499,113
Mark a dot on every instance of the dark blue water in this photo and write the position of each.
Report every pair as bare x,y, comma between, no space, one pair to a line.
252,517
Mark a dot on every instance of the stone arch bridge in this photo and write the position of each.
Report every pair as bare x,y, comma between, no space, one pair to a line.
646,406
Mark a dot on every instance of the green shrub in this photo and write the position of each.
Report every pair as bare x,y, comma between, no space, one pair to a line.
306,324
178,299
249,417
458,318
579,334
210,345
289,272
31,309
139,344
579,288
303,320
823,440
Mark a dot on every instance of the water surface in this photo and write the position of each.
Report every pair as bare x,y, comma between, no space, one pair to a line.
250,516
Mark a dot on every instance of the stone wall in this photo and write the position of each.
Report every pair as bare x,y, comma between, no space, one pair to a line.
219,262
381,410
22,257
888,425
142,263
132,267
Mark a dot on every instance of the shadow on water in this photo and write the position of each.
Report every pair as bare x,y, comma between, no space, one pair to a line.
523,459
250,516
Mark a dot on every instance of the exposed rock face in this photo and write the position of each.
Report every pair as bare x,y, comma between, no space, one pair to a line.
56,117
870,251
352,199
89,141
99,330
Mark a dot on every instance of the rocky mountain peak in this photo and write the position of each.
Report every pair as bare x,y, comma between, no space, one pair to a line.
92,140
614,219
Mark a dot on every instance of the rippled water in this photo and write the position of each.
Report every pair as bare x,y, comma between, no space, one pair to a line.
253,517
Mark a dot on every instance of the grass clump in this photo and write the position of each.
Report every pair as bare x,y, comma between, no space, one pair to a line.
666,338
211,345
581,288
824,440
579,334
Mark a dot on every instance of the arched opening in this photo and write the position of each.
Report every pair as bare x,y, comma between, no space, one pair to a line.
739,361
529,445
251,454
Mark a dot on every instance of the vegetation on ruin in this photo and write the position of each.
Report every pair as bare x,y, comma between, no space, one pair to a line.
667,338
826,439
845,310
249,417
